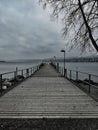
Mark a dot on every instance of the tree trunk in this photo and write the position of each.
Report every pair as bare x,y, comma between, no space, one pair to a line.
88,27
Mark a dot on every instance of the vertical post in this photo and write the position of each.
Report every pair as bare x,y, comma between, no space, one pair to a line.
62,71
22,72
1,83
27,73
70,74
89,83
15,75
65,73
57,67
16,71
64,62
64,59
31,71
76,75
37,68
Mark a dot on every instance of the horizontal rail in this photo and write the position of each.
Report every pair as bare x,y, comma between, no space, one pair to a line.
83,72
14,71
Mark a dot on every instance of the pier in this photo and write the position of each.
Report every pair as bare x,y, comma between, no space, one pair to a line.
46,94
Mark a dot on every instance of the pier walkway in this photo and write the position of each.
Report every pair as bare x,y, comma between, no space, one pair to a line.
47,95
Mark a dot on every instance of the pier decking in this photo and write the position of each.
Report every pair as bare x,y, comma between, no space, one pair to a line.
47,95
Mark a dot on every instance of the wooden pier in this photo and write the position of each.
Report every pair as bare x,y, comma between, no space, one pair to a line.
47,95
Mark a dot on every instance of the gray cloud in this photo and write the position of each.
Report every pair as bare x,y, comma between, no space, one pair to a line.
27,32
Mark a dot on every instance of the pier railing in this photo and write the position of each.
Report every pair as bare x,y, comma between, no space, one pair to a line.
87,82
11,79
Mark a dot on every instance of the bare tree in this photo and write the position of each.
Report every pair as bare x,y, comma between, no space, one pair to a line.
82,15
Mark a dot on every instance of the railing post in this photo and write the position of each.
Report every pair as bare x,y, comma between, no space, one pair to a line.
16,71
1,83
15,75
22,72
70,74
76,75
27,73
57,67
65,73
62,71
31,71
89,83
37,68
34,68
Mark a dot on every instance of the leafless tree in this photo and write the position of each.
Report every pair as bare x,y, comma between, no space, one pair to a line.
82,15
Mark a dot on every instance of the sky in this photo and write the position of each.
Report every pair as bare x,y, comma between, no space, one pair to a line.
27,32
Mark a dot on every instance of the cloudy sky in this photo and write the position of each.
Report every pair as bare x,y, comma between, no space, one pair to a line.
26,31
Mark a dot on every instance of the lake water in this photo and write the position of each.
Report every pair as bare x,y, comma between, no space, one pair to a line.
7,67
86,67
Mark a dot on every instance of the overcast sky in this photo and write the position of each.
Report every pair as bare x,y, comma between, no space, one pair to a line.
26,31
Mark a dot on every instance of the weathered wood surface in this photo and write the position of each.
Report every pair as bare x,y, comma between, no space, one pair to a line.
47,94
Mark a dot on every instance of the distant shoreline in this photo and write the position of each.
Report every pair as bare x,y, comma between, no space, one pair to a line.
48,61
2,61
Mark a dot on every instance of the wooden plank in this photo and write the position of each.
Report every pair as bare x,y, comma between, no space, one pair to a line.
52,97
